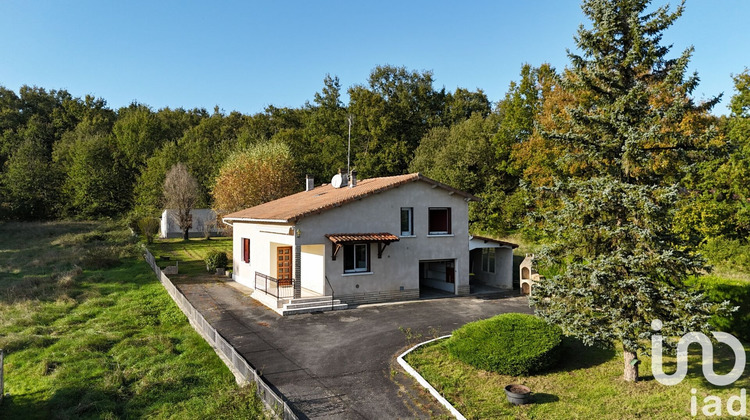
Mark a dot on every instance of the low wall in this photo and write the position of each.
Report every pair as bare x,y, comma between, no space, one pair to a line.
243,372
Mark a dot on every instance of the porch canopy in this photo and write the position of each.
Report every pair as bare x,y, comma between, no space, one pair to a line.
340,239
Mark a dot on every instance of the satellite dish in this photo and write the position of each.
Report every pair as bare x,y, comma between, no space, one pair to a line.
336,181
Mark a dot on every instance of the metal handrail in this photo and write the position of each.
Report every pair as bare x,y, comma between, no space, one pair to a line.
333,293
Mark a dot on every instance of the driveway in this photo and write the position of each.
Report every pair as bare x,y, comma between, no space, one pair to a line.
340,364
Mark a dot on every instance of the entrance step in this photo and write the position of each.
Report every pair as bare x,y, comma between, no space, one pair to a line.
314,304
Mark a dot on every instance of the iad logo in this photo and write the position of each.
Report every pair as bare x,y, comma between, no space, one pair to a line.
713,404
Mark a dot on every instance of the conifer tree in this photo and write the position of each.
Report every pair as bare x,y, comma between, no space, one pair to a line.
628,131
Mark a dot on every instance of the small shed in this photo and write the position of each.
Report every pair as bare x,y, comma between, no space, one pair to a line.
204,221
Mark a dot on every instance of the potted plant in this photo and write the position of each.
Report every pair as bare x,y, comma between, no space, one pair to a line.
518,394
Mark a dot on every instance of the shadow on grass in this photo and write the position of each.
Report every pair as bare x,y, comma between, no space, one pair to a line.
543,398
577,355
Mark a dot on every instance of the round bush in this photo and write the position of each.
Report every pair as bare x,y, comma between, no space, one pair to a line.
509,344
216,259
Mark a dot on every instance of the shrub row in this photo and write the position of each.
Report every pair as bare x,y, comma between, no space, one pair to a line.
509,344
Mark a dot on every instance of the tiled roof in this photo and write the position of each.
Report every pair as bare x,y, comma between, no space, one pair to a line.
485,239
317,200
339,238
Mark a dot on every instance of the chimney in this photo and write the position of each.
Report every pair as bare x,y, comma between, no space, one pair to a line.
353,179
309,183
344,177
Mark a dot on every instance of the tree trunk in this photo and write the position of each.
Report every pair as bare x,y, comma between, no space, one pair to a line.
631,369
185,235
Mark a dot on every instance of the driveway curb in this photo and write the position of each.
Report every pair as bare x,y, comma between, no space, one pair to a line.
422,381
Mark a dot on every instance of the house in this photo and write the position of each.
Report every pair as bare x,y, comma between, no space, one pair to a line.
372,240
203,220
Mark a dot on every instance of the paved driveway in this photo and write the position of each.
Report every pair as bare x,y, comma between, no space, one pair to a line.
340,364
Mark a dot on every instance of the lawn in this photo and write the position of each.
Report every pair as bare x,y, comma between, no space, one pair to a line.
586,384
190,255
89,332
588,381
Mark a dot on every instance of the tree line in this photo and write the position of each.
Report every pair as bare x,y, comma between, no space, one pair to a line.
70,157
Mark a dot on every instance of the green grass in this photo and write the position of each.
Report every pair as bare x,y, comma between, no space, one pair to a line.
89,332
190,254
586,384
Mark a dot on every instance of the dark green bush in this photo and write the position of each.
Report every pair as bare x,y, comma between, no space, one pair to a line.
509,344
735,291
216,259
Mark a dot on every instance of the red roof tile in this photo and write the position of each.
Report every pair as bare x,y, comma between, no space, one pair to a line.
317,200
339,238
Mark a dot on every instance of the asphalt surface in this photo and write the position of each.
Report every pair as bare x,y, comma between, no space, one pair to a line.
341,364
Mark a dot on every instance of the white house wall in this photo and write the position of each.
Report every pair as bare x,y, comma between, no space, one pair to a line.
264,240
503,275
313,268
396,275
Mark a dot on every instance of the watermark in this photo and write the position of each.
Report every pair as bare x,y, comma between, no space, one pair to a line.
712,405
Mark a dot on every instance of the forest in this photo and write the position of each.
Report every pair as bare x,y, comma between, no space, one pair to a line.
67,157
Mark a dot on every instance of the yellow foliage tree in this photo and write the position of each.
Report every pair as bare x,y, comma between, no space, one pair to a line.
253,176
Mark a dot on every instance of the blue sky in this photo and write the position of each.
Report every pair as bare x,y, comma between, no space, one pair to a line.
243,55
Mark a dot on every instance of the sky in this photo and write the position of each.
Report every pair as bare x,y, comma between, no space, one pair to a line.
245,55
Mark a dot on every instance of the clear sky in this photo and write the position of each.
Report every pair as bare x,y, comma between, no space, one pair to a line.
245,55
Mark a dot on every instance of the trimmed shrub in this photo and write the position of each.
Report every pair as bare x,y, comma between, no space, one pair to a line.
735,291
509,344
216,259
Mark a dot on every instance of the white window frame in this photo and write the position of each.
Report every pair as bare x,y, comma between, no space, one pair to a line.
353,255
489,260
410,211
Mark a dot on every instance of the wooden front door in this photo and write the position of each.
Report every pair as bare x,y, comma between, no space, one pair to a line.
284,265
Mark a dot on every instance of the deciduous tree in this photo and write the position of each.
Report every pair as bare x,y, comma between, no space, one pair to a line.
254,176
181,193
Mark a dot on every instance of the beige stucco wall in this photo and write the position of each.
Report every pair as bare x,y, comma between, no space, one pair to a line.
399,266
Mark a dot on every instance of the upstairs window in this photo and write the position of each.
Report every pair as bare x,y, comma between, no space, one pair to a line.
407,221
246,250
357,258
488,260
439,221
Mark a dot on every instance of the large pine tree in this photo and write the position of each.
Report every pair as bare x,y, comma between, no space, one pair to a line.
628,129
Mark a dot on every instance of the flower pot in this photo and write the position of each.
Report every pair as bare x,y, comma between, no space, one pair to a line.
518,394
220,271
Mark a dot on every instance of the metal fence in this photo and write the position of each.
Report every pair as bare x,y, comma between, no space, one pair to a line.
236,363
283,289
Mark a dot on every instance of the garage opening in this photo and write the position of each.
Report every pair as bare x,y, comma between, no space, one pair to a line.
437,278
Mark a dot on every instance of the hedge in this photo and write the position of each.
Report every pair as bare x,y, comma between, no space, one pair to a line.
509,344
738,293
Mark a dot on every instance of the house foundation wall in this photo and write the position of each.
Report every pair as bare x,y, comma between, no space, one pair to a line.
382,296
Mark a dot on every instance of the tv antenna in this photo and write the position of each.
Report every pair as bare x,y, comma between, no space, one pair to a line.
349,146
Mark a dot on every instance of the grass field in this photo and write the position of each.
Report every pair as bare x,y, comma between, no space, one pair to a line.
89,333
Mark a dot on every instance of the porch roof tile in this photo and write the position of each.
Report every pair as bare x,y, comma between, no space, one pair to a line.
339,238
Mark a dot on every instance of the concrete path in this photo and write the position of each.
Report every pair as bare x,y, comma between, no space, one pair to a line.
340,364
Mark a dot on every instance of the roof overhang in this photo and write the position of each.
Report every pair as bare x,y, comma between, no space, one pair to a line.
227,220
477,242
